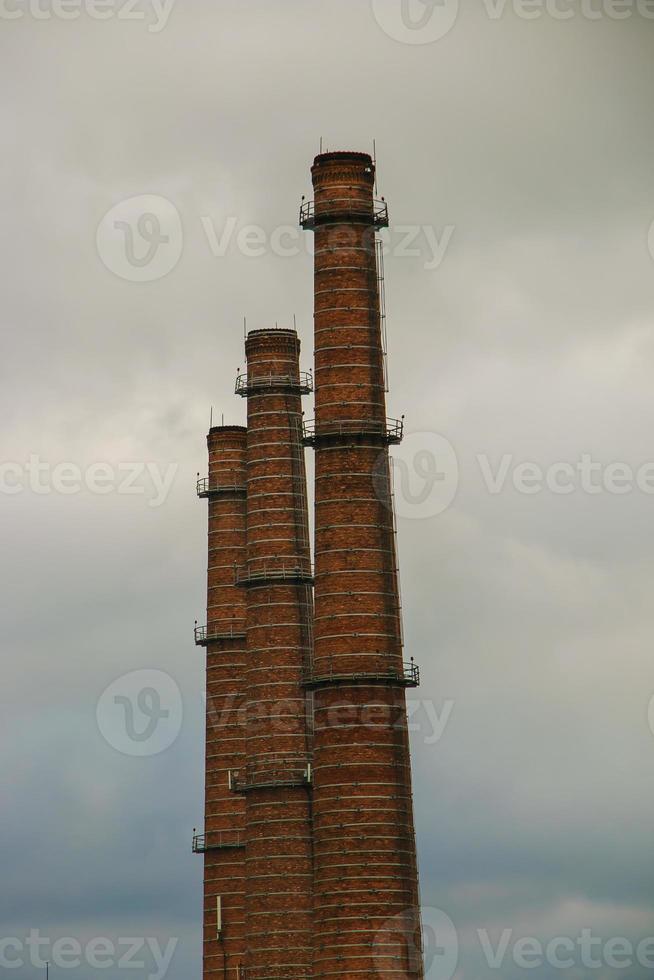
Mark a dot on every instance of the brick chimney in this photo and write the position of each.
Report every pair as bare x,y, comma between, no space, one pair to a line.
365,883
223,840
277,582
310,859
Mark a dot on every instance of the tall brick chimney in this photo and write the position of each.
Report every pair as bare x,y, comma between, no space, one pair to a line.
365,882
277,582
309,848
224,636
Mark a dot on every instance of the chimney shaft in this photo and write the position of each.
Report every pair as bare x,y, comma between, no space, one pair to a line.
310,860
223,842
277,583
365,885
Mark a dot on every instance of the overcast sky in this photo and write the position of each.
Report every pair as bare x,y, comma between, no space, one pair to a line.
516,155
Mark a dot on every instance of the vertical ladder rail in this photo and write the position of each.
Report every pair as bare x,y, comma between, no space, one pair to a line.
381,280
398,579
305,592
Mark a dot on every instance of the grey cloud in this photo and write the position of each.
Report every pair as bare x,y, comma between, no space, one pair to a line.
533,337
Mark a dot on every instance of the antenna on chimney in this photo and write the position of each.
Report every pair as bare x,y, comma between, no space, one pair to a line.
211,418
374,160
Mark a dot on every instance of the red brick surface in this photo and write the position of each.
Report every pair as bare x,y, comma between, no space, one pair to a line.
279,610
224,869
306,714
365,863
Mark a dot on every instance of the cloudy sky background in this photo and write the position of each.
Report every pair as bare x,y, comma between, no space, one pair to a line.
532,141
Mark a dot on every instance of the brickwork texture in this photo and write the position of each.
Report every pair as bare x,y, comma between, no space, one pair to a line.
309,839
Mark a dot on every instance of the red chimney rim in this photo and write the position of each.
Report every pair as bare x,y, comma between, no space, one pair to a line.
272,332
339,155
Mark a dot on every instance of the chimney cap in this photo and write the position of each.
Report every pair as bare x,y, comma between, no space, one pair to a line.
272,331
338,156
227,428
274,338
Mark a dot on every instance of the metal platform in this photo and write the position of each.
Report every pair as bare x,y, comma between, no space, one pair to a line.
219,840
209,487
271,972
291,572
276,774
409,676
222,630
390,432
343,211
301,384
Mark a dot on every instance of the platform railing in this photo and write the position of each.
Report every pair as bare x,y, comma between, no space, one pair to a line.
270,773
343,208
210,486
271,972
391,431
274,570
302,383
217,840
408,675
226,629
